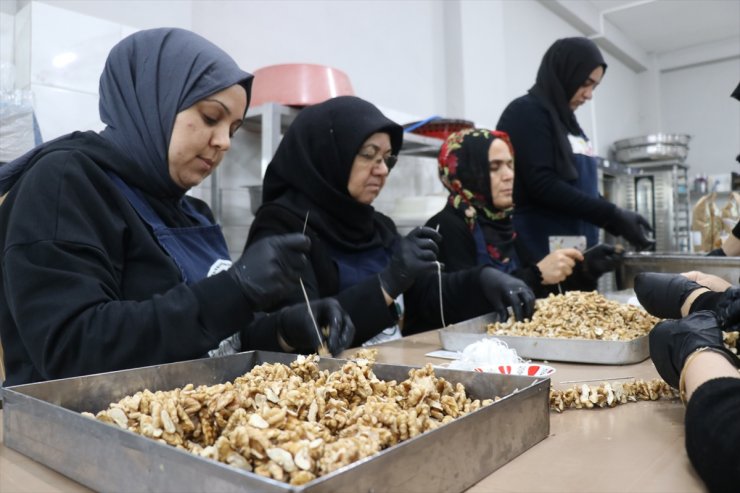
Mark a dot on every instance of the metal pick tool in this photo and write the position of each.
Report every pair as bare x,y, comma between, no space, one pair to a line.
439,281
322,349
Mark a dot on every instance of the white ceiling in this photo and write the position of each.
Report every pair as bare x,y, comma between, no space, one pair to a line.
660,26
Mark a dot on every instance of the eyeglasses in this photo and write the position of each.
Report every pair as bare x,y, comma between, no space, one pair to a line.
371,153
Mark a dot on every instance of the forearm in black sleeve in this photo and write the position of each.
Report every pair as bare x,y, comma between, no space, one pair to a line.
713,433
462,298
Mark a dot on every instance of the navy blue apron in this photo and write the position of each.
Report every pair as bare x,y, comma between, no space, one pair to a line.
199,251
484,258
356,267
535,225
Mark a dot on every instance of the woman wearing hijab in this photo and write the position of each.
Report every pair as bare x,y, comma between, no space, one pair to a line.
330,166
107,264
556,193
476,166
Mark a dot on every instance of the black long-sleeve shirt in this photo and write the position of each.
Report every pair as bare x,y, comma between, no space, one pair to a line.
537,184
86,288
713,433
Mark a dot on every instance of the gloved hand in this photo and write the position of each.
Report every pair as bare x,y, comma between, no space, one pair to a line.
728,310
269,267
672,341
502,290
297,330
601,259
632,227
662,295
414,254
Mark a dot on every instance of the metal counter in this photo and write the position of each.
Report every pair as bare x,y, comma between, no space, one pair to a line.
728,268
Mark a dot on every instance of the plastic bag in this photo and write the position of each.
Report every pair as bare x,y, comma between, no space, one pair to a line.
707,219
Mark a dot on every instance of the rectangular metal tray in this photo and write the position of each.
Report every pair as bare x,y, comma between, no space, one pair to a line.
456,337
42,421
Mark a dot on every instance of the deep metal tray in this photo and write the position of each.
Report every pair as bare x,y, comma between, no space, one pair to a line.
456,337
42,421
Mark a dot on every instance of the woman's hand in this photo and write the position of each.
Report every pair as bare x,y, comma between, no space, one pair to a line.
414,254
502,291
270,267
710,281
558,265
297,331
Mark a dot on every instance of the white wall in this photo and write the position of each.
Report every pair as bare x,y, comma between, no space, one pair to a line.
455,58
697,101
390,50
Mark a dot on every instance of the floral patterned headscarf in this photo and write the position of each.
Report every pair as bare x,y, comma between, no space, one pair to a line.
464,171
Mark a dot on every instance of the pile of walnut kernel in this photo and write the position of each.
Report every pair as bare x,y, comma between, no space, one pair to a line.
580,315
294,423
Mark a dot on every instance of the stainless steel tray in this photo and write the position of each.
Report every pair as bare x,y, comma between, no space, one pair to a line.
457,336
42,421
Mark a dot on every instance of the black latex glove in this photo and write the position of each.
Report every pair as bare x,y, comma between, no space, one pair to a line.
672,341
270,267
413,254
502,291
717,252
728,310
297,329
601,259
661,294
632,227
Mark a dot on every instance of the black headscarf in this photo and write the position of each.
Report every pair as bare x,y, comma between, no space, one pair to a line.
311,168
564,68
464,170
148,78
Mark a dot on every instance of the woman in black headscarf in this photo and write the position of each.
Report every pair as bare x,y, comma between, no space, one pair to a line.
476,166
107,264
556,192
330,166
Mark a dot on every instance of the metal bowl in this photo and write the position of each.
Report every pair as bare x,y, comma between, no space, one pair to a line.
656,152
644,140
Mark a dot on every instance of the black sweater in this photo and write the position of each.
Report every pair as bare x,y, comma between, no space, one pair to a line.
86,288
713,433
364,302
537,184
458,252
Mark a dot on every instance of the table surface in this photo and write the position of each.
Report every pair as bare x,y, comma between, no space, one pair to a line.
635,447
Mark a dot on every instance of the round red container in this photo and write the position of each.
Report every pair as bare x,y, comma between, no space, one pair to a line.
442,128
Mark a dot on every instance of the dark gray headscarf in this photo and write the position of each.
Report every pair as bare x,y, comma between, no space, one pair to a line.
149,77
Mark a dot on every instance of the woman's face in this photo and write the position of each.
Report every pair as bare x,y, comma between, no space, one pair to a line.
501,170
370,169
202,135
586,91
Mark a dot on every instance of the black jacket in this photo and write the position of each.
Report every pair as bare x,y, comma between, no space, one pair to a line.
537,184
86,288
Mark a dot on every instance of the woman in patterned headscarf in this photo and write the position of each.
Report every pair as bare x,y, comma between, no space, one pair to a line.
476,166
107,263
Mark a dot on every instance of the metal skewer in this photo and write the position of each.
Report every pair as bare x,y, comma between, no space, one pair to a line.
322,349
439,281
596,379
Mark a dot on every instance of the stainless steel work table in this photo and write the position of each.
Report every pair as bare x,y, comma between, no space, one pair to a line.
636,447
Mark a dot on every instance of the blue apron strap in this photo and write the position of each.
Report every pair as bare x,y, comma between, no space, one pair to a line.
140,205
